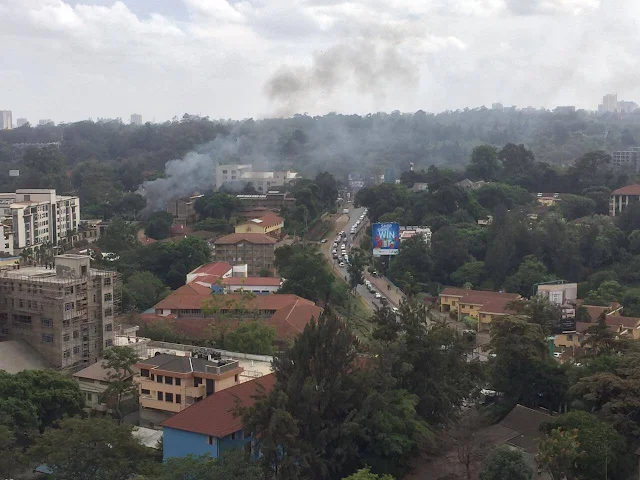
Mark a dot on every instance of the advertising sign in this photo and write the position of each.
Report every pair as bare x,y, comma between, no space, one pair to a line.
385,238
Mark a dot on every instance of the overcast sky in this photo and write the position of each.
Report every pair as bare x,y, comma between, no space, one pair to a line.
73,59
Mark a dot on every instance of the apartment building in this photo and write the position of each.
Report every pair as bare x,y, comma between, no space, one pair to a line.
257,250
265,181
136,119
622,197
628,160
66,313
6,239
168,384
484,306
6,122
230,173
183,209
41,216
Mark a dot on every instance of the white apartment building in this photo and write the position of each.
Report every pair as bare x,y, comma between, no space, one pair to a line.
265,181
230,173
6,199
6,239
40,216
21,121
6,123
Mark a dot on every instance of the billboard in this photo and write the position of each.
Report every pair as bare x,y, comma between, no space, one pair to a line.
385,238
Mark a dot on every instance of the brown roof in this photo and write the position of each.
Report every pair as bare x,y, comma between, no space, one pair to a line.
583,326
491,302
252,281
188,296
96,371
290,321
214,268
268,219
618,320
525,422
256,238
215,414
628,190
204,234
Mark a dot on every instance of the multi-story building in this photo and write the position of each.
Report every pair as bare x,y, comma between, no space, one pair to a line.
627,159
271,200
265,181
622,197
5,120
168,384
21,121
609,103
483,306
230,173
257,250
66,313
41,216
94,381
136,119
183,209
6,239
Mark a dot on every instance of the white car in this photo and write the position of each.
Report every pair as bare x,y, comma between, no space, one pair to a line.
341,264
377,295
395,309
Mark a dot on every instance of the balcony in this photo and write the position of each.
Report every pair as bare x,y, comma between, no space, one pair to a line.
195,392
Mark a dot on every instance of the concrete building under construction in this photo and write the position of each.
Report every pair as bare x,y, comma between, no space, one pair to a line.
65,311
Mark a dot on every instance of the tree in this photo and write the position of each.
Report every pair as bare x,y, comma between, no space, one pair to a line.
120,236
119,363
506,463
412,265
559,453
530,272
471,272
539,310
484,163
143,290
355,269
470,440
366,474
232,465
305,270
575,206
158,225
604,448
96,448
12,459
634,242
608,292
251,336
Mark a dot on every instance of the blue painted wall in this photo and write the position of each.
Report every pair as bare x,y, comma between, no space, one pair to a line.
178,443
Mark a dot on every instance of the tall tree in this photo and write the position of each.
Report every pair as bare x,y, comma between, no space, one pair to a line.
143,290
119,363
355,269
559,453
232,465
484,163
506,463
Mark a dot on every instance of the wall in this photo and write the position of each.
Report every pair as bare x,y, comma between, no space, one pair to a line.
178,443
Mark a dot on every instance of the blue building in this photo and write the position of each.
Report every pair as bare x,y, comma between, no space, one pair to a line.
210,425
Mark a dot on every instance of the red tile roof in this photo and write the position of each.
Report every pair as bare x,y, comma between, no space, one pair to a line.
188,296
215,268
252,281
618,321
215,415
290,321
255,238
628,190
491,302
268,219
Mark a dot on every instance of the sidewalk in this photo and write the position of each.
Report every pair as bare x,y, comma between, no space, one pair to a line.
386,288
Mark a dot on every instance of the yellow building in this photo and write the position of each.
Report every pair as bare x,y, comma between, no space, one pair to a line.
268,224
548,199
168,384
484,306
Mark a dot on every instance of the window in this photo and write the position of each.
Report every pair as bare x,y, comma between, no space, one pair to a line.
178,398
90,397
108,297
66,337
168,380
107,281
108,312
47,338
197,381
67,353
569,337
76,350
160,396
46,322
159,378
108,343
144,372
153,376
178,381
108,327
168,397
76,334
233,436
236,378
211,440
144,391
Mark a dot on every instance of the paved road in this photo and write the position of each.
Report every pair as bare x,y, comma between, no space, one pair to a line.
345,222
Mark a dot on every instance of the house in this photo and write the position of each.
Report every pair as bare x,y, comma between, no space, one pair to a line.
470,185
267,224
482,305
212,426
168,384
254,249
94,382
548,199
287,313
620,198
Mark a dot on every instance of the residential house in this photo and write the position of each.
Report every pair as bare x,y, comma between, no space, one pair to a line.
257,250
620,198
482,305
267,224
94,382
168,384
212,426
548,199
470,185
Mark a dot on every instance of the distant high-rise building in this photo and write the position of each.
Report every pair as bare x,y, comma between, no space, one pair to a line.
609,103
5,120
497,106
627,107
45,121
136,119
21,121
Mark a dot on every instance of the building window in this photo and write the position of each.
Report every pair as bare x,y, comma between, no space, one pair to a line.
144,391
159,378
236,378
76,334
168,380
153,376
66,337
107,281
47,338
108,327
178,382
233,436
569,338
211,440
76,350
90,397
108,312
108,297
144,372
46,322
168,397
178,398
108,343
160,396
197,381
67,353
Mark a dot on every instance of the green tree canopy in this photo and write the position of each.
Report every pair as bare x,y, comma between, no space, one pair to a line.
232,465
158,225
506,463
251,336
484,164
530,272
143,290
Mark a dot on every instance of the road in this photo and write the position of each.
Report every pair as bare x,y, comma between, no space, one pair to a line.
345,222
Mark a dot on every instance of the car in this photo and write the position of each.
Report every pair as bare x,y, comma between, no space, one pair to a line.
345,211
324,240
468,332
341,264
395,309
557,354
377,295
367,283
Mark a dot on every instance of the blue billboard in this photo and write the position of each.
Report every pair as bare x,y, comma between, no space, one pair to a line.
385,238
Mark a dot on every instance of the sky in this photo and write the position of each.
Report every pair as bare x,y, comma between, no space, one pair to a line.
70,60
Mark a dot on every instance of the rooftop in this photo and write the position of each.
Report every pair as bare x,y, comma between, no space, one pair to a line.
628,190
215,268
255,238
252,281
178,364
491,302
215,415
96,371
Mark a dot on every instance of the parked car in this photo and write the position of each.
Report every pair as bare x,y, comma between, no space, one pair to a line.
377,295
324,240
341,264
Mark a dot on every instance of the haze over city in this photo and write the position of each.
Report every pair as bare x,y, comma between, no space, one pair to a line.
75,59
